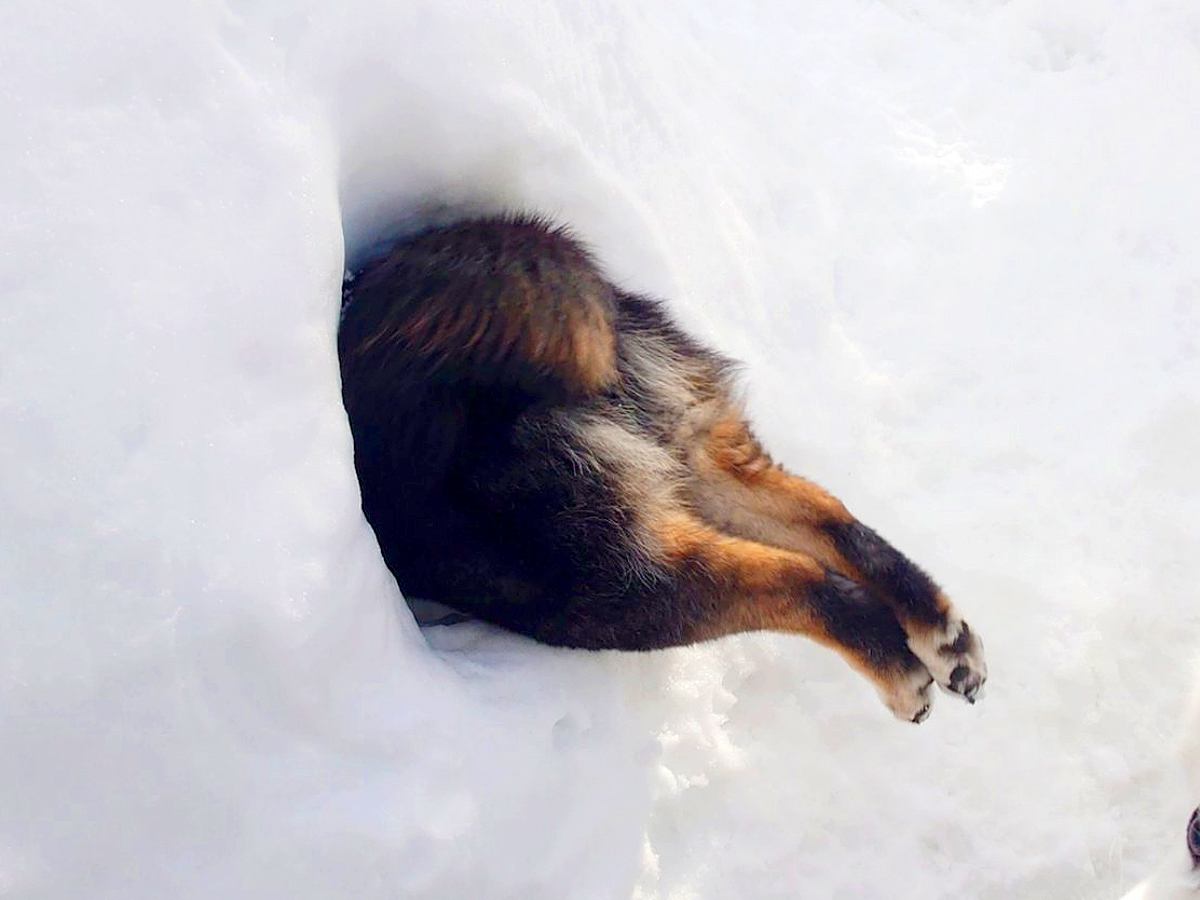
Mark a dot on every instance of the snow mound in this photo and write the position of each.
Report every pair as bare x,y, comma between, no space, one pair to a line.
952,243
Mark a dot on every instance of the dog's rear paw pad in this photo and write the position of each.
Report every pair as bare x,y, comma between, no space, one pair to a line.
954,656
967,682
909,696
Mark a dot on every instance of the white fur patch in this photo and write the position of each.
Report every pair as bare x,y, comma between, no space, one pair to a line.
910,698
663,373
644,472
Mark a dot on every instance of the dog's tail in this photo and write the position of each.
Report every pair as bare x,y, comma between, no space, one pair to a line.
494,302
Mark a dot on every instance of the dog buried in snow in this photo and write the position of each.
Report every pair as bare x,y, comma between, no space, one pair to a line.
545,451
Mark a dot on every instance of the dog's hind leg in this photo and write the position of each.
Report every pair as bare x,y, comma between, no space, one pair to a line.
709,584
759,587
739,488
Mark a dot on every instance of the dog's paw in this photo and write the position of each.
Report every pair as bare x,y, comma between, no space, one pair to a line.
953,654
908,695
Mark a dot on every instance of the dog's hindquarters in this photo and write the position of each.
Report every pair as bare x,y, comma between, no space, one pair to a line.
445,345
553,455
508,304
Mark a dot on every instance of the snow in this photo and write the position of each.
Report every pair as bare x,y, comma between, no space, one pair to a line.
953,243
1178,876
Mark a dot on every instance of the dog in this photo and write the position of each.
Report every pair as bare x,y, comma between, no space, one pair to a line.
550,453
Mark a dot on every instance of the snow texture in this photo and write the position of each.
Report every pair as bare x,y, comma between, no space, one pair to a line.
1178,877
954,243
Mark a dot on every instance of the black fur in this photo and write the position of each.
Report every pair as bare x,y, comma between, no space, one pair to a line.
856,619
913,592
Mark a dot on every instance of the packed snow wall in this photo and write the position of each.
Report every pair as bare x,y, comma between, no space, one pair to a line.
952,244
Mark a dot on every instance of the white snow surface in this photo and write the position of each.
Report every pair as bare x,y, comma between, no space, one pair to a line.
955,245
1178,877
